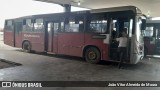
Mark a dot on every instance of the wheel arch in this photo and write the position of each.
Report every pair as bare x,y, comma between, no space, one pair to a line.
88,46
26,41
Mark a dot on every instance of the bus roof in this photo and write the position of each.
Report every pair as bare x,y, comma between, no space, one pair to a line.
112,9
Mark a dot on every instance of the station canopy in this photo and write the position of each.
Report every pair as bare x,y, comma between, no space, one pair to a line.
148,7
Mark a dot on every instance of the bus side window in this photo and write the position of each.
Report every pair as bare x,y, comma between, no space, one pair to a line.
98,24
38,25
75,24
9,25
27,25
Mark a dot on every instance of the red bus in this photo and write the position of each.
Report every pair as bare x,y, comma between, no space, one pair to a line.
152,37
87,34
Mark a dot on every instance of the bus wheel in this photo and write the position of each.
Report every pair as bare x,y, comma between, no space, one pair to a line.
27,47
92,55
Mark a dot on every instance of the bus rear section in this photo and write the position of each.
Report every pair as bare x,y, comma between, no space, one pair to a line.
9,36
27,34
13,32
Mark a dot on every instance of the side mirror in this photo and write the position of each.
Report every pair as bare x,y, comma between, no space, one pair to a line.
143,27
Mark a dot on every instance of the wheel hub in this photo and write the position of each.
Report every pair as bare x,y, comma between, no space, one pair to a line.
92,55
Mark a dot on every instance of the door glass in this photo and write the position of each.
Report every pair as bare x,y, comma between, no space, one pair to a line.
50,27
56,28
18,27
130,27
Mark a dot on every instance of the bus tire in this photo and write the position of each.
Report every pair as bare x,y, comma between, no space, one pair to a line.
92,55
26,47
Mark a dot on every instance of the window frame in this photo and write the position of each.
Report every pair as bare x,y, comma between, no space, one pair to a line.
39,28
74,17
103,15
9,27
28,26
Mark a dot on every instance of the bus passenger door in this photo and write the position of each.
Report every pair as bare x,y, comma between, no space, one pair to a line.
113,43
18,34
52,29
117,27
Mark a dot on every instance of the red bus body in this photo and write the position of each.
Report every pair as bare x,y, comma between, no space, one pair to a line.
48,32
